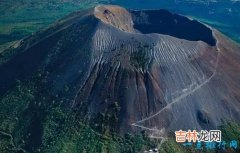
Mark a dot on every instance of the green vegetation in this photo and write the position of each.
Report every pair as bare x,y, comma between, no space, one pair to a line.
107,122
230,132
33,120
12,107
171,145
23,17
139,59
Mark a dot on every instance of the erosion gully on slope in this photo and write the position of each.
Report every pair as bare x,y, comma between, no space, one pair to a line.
176,100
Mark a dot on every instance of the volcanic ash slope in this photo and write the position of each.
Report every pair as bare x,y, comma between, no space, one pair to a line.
148,70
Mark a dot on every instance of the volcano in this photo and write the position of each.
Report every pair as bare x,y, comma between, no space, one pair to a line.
149,70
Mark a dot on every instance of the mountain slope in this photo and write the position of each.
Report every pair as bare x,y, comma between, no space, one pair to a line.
133,70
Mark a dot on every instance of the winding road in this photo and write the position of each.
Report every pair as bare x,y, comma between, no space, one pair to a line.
178,99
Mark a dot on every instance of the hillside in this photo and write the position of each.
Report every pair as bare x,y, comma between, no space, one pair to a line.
116,76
